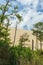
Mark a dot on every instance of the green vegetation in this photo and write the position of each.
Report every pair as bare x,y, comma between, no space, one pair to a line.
38,32
19,55
22,56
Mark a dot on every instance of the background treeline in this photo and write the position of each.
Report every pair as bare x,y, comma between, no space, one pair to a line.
12,55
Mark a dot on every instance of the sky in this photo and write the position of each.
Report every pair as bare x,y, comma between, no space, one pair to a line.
31,12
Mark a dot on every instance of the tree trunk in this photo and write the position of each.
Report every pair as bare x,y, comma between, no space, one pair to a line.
32,45
36,43
15,34
40,45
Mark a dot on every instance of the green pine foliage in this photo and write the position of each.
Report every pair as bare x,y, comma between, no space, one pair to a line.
38,32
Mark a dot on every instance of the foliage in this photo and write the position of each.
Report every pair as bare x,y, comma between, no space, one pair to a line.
23,39
7,11
25,56
15,55
38,32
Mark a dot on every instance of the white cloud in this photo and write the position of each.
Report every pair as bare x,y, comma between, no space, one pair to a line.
35,3
25,2
30,18
29,12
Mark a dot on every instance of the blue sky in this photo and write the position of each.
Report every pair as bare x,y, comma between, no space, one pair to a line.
31,11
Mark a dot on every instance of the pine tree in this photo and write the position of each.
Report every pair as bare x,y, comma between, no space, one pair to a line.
38,32
4,29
